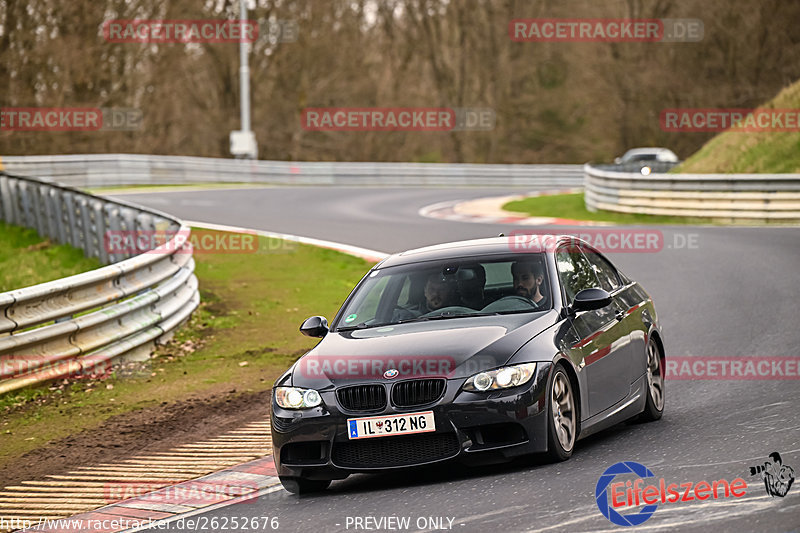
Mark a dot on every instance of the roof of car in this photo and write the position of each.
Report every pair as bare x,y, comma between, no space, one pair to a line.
516,243
662,154
647,150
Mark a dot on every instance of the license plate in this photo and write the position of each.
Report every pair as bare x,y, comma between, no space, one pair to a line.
388,425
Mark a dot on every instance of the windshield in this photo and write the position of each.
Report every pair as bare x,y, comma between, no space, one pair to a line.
449,289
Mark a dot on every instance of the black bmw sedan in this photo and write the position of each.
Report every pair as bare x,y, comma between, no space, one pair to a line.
476,351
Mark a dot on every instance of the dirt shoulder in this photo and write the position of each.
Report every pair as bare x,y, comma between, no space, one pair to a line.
144,431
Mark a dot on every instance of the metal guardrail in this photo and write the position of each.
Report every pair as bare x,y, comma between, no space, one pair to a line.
98,170
80,323
729,197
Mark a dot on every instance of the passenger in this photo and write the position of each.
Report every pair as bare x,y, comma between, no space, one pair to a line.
528,278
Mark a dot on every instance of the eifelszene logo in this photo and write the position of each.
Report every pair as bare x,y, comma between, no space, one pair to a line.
627,495
601,494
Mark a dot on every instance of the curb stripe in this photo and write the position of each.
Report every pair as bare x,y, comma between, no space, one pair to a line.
240,453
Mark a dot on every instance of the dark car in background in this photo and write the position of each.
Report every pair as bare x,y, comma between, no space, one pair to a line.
647,160
478,351
644,155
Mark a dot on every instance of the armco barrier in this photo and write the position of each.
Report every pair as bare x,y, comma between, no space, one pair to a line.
730,197
78,324
98,170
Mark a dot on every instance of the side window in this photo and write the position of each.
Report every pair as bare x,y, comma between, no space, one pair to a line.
498,275
574,271
606,274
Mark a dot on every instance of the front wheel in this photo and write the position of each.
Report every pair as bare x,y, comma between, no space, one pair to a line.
562,425
654,406
298,485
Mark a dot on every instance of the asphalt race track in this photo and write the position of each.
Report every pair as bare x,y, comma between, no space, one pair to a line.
733,292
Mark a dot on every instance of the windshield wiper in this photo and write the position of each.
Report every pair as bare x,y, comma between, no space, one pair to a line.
444,316
364,325
519,311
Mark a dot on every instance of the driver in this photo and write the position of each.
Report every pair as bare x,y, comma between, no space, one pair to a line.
528,277
439,293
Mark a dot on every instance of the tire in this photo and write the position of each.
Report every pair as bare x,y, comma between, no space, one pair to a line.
654,405
562,420
298,485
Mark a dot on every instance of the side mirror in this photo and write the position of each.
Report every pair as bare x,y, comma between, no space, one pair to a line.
316,326
589,300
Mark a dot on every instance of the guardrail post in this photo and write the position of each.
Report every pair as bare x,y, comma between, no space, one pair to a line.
40,208
56,215
146,226
128,227
85,226
71,220
113,233
100,227
20,204
6,201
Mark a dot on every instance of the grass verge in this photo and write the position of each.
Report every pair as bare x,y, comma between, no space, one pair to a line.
243,336
27,259
572,206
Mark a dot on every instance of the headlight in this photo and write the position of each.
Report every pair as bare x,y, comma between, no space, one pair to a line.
294,398
501,378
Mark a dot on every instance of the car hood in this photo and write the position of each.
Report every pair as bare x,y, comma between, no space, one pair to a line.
452,348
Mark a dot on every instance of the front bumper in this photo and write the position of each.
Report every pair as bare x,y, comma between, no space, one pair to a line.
474,428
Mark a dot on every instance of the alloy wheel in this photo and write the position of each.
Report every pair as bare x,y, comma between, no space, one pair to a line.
563,406
655,379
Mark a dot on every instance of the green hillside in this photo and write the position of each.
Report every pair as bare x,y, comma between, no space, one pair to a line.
740,152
